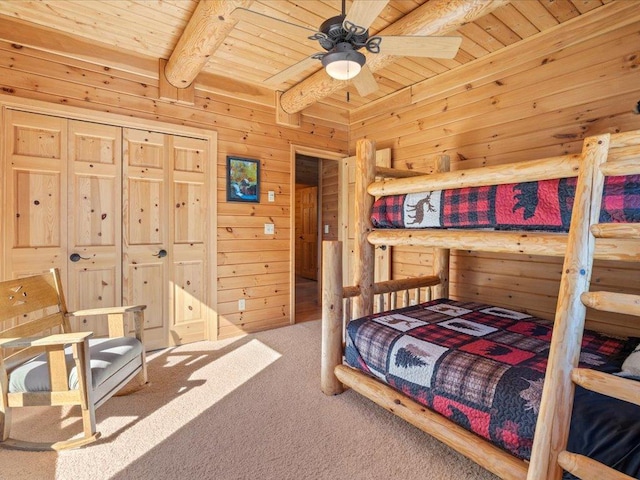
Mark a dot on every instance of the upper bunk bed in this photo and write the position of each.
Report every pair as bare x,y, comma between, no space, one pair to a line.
609,167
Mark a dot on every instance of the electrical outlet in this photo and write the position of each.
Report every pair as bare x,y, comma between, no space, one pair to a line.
242,304
271,196
269,229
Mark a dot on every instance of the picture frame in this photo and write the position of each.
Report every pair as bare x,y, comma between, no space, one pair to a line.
243,179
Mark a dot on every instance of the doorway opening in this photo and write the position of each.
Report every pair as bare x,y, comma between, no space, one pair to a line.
307,205
314,214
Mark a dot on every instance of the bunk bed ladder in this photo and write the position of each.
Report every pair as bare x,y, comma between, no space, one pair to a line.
599,159
600,382
611,385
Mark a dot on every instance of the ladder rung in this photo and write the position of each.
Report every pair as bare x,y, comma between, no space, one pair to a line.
616,230
612,302
607,384
588,469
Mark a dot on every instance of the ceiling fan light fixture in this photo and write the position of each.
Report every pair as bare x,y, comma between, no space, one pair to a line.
343,62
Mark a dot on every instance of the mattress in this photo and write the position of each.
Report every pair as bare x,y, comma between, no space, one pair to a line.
544,205
483,368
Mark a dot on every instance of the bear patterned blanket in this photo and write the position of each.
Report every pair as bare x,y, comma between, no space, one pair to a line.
480,366
543,205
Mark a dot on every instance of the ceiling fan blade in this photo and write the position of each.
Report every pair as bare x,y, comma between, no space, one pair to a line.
291,71
275,25
364,82
416,46
363,12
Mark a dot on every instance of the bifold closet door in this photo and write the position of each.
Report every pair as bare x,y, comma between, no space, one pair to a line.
123,213
164,221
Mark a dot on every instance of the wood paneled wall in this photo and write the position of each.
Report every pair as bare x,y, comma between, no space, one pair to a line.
251,265
535,102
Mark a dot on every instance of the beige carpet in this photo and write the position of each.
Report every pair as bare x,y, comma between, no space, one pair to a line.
247,408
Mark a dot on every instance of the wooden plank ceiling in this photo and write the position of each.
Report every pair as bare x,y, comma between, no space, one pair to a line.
151,29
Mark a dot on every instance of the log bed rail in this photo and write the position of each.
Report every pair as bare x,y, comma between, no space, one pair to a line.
609,154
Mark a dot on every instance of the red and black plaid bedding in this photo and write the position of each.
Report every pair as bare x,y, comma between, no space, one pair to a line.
480,366
544,205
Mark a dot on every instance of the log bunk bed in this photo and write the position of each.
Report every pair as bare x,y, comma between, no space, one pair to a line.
375,366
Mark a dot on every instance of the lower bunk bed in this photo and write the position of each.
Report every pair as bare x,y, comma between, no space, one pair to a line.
521,396
483,368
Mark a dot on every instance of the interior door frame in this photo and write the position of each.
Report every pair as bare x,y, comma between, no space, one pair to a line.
97,116
323,155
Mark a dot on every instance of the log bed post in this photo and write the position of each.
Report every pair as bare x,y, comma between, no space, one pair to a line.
552,428
441,255
331,317
363,274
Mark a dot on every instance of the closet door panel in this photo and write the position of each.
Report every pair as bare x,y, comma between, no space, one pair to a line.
147,252
34,210
190,224
95,226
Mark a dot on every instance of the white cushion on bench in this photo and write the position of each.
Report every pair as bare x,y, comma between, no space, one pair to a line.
108,355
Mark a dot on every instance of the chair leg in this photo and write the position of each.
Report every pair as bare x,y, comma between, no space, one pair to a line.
142,375
81,357
5,410
89,421
5,422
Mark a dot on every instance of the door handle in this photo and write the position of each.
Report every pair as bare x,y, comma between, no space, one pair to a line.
75,257
161,253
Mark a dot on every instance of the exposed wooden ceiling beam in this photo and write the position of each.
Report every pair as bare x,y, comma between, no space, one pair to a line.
436,17
208,27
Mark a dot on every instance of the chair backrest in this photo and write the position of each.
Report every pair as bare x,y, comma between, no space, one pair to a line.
31,306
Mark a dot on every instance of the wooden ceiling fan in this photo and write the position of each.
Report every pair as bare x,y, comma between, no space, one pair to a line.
343,36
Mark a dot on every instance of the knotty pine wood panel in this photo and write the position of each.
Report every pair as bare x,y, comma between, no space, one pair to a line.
541,107
82,84
244,129
456,118
495,112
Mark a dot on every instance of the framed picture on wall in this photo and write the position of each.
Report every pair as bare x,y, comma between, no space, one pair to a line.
243,180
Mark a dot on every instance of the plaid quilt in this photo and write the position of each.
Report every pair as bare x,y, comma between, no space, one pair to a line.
478,365
544,205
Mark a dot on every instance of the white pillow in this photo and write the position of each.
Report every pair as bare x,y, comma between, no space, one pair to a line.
631,365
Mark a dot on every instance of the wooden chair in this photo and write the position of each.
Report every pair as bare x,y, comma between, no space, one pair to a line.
43,363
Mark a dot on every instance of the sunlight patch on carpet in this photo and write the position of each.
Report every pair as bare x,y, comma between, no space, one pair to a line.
193,395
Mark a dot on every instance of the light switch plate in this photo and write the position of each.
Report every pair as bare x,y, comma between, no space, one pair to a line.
326,229
271,196
269,229
242,304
